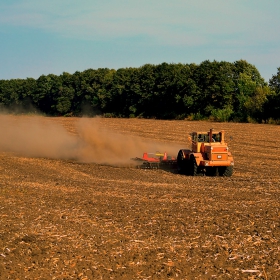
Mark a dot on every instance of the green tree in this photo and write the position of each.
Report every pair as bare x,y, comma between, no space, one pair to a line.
16,94
247,79
272,106
255,104
146,89
8,93
65,94
215,86
47,92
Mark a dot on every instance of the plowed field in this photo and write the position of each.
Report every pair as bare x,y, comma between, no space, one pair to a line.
71,210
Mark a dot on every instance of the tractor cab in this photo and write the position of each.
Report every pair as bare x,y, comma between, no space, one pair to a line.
202,139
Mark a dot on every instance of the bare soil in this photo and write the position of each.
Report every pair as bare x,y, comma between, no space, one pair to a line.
69,218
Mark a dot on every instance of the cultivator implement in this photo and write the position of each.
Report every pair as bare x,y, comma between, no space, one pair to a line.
156,161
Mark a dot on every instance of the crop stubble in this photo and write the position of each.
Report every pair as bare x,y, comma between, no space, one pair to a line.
73,219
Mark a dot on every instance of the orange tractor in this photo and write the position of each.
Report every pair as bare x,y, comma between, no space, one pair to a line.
209,155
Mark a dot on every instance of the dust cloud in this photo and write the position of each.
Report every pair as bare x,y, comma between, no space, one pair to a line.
41,137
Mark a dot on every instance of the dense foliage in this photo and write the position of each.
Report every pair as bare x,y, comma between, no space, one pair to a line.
220,91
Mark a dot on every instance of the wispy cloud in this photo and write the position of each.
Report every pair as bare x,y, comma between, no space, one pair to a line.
189,22
118,33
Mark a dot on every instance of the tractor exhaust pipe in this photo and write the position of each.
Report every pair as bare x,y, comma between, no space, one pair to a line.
222,137
210,135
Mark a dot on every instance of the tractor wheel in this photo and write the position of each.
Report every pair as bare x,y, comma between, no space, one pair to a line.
226,171
212,171
192,166
182,164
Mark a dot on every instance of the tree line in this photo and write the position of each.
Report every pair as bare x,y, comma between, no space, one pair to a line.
219,91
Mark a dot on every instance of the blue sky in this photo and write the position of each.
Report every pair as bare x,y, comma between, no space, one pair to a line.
54,36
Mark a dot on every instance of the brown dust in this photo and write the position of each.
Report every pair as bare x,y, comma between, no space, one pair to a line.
38,137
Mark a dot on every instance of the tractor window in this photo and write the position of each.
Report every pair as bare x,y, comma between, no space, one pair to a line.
202,138
194,137
216,137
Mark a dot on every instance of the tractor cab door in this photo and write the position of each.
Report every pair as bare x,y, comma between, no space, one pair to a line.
198,140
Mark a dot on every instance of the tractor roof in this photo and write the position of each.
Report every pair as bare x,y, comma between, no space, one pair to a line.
205,132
